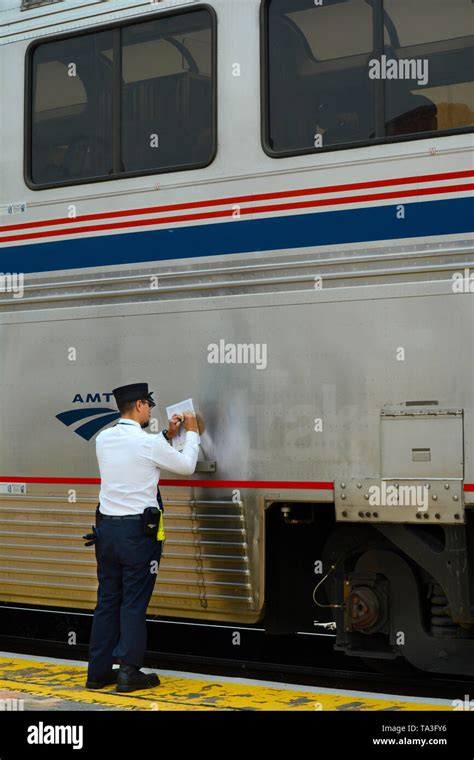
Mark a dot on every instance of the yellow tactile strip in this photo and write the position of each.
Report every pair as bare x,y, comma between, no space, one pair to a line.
67,682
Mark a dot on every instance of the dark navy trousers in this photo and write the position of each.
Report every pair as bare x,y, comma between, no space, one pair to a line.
127,563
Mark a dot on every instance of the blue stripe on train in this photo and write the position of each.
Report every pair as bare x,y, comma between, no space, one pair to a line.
429,218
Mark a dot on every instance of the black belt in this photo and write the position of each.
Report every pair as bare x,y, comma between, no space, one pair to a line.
119,517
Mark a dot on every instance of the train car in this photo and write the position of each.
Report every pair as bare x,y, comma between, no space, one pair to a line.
265,206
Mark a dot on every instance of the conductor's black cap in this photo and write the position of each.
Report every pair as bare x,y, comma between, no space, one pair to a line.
133,392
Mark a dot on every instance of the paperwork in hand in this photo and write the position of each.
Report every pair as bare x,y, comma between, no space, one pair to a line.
183,406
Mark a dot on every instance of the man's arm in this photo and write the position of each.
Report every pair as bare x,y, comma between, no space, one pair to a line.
169,458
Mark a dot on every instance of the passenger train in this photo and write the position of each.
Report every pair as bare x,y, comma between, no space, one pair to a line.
265,206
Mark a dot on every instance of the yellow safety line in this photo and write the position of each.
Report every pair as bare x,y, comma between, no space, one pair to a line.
68,682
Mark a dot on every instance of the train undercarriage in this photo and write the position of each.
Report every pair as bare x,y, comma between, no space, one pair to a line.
401,596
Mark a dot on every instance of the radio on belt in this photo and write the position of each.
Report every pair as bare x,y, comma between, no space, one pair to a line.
151,521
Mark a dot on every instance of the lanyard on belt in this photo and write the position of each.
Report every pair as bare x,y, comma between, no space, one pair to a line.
161,529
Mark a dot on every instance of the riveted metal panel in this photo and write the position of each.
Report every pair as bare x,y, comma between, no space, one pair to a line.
417,501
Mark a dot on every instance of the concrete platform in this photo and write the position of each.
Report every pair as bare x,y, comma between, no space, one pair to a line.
42,683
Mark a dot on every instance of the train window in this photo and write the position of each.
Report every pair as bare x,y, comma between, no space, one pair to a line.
345,72
167,93
318,90
431,38
72,109
95,114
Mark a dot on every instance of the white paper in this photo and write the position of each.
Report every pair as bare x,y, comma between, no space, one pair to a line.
182,406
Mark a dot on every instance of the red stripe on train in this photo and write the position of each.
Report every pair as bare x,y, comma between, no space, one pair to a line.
244,211
245,199
176,482
316,485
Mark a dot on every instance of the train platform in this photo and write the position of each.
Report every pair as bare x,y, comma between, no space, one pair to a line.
32,683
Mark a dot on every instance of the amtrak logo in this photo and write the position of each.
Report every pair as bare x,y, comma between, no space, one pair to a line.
97,417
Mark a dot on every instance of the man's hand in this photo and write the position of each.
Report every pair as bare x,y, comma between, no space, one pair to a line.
190,422
173,425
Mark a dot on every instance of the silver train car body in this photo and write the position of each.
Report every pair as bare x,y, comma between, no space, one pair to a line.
305,302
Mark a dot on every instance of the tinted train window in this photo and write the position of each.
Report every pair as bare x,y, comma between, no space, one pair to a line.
319,91
351,71
433,53
167,93
72,109
163,84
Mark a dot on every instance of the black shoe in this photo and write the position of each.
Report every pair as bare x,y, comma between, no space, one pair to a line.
105,682
130,678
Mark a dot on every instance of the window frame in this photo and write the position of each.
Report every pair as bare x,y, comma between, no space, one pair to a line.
379,98
116,99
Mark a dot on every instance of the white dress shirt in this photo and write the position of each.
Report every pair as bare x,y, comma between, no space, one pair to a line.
129,461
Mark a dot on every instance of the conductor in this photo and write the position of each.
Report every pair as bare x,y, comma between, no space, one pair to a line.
129,534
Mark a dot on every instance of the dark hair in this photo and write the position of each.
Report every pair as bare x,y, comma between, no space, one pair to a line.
126,406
